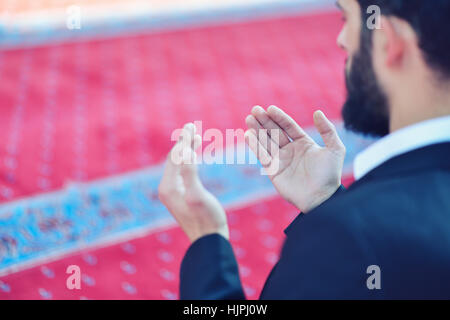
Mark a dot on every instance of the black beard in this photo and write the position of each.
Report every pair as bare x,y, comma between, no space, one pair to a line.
366,109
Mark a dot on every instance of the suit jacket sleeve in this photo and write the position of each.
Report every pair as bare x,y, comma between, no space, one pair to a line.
209,271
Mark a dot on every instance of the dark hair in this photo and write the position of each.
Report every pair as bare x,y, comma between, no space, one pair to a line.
431,21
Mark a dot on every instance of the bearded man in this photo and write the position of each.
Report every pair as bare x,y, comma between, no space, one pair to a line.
394,220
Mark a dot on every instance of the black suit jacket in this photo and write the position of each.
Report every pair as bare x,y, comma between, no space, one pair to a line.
396,217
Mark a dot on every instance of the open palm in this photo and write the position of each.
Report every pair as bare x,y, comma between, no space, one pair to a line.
303,172
196,210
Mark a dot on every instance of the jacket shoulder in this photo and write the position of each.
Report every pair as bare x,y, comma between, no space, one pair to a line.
399,224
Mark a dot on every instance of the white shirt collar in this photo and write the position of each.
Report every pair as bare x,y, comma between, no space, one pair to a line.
402,141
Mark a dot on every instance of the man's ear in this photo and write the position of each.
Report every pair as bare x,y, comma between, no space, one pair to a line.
393,42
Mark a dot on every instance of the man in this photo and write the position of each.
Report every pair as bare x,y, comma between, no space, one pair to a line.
388,235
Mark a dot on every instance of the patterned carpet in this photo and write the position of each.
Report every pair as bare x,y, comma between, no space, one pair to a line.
86,127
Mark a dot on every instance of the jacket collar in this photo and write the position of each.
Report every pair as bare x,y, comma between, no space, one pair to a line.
434,156
402,141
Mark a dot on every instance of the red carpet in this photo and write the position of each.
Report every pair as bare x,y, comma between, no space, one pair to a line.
76,112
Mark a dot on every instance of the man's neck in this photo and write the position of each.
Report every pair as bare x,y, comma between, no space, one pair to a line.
398,123
419,109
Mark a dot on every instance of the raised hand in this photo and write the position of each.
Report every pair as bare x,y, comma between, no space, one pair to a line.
197,211
303,172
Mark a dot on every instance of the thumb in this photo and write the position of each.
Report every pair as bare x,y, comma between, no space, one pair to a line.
328,132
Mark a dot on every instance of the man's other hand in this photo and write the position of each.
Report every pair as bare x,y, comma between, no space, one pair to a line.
197,211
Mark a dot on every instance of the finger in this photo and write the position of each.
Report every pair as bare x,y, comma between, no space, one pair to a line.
258,149
189,170
269,142
187,134
328,132
195,192
189,164
186,141
293,130
197,142
266,122
173,162
176,156
167,188
252,123
189,138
